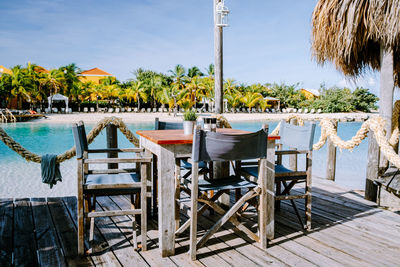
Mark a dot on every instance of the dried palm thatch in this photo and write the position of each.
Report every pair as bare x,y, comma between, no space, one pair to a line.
350,33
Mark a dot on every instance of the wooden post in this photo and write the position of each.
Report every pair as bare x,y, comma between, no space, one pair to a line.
371,189
112,142
218,57
293,158
331,158
221,169
386,92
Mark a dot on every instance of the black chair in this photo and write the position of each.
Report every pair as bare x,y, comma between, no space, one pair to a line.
94,182
212,146
299,140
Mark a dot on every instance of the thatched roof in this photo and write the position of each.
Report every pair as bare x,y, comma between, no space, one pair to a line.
349,33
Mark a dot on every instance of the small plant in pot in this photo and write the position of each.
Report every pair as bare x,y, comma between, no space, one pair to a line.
189,121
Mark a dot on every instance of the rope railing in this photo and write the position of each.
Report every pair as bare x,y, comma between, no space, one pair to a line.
30,156
328,130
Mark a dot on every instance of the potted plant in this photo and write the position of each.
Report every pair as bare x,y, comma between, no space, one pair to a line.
189,121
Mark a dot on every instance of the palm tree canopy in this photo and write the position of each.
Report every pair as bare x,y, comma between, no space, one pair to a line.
350,33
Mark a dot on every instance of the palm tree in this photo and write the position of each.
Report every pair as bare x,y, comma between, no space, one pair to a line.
251,99
154,85
210,70
194,71
97,92
178,73
71,78
136,91
21,84
165,97
53,81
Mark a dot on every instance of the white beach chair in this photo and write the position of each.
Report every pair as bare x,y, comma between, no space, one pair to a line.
110,110
312,111
92,109
273,110
85,109
117,110
319,110
38,110
306,110
129,110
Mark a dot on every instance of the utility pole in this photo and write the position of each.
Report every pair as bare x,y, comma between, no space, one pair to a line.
220,21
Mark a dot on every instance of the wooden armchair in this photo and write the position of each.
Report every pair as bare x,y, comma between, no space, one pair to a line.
94,182
211,146
299,140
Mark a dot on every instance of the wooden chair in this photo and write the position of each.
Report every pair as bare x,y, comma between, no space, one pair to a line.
299,140
93,183
212,146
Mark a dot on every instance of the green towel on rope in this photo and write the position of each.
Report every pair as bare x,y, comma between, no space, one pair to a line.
50,170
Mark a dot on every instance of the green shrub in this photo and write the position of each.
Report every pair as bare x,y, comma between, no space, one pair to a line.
190,115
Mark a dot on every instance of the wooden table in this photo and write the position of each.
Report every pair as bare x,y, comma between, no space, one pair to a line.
170,145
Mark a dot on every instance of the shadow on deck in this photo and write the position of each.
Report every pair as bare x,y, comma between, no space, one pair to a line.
347,230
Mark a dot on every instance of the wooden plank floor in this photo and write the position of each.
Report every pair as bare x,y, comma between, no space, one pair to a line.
347,231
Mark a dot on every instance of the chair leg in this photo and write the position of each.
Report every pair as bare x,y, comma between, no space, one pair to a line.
155,180
134,225
81,226
278,192
143,206
308,211
177,192
193,212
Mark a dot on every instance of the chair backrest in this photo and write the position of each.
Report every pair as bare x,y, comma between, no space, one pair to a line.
295,136
81,143
163,125
212,146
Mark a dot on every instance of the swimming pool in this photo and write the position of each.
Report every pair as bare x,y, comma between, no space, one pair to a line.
19,178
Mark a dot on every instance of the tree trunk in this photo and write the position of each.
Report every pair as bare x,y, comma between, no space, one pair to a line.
386,93
218,56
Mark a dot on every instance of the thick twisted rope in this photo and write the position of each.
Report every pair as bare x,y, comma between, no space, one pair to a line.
29,156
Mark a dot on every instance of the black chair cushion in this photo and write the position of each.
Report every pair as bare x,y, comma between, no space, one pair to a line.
228,183
188,166
111,179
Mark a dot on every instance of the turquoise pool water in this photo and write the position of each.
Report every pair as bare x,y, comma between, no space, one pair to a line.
19,178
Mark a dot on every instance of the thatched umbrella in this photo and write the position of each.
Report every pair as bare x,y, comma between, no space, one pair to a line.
357,34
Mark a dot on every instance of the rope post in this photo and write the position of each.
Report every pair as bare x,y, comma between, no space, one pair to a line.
112,142
371,189
331,157
293,158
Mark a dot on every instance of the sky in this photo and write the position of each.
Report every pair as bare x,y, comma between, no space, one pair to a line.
266,41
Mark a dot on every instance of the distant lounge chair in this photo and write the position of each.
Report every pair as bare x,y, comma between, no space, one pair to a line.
129,110
306,110
312,111
148,110
122,109
273,110
85,109
319,110
117,110
92,109
62,110
135,109
38,110
55,110
110,110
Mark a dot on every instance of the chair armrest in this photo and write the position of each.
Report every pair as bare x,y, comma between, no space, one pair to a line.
290,152
106,150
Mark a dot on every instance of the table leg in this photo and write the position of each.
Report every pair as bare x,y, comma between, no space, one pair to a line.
166,201
270,189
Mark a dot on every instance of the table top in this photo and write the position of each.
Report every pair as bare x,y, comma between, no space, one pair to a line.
175,137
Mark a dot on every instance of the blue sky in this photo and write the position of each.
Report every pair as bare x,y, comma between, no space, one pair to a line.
267,41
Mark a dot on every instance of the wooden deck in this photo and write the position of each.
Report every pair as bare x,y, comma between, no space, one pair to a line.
347,231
